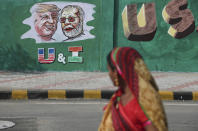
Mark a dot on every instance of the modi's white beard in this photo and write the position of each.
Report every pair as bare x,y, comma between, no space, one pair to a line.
75,32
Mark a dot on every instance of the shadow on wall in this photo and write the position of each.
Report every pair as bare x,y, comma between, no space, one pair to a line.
15,58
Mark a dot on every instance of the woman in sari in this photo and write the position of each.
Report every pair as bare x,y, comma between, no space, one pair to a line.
136,105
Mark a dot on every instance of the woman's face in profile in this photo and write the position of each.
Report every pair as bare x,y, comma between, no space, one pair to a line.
112,74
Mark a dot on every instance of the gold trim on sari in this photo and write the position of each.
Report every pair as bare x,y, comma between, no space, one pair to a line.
107,123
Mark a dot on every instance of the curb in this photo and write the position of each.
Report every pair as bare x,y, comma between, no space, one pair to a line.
86,94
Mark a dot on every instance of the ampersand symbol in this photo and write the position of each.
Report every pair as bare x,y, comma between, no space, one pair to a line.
61,58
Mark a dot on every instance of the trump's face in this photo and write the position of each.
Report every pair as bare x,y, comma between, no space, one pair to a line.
46,23
70,22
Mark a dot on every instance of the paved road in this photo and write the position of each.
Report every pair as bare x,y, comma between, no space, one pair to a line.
78,115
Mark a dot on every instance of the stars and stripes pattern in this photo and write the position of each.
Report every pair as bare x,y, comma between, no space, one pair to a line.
51,56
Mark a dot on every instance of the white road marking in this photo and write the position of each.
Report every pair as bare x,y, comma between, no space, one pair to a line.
56,103
95,103
73,103
89,103
180,104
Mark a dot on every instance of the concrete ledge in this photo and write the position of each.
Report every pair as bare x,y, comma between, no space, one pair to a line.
86,94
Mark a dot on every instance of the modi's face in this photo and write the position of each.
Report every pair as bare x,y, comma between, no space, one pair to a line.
70,22
46,23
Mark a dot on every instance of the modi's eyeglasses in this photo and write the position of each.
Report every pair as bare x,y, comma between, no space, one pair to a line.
70,19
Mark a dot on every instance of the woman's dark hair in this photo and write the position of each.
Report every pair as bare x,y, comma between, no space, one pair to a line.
109,62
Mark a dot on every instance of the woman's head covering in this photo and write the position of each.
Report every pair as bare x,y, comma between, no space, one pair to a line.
123,59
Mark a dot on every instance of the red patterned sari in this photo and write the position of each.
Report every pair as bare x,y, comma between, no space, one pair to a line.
128,117
140,111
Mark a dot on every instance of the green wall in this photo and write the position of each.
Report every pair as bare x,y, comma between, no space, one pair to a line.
163,53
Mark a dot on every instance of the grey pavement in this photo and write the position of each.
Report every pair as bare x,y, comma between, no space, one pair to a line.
170,81
78,115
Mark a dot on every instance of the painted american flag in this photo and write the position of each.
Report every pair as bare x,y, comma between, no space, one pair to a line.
51,56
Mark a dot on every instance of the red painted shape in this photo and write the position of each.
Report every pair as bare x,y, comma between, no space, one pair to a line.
51,58
75,49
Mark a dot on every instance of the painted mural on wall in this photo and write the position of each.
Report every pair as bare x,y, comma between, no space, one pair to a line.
173,47
142,26
75,58
59,22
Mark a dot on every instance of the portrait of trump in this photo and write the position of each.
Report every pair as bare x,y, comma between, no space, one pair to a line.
46,19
